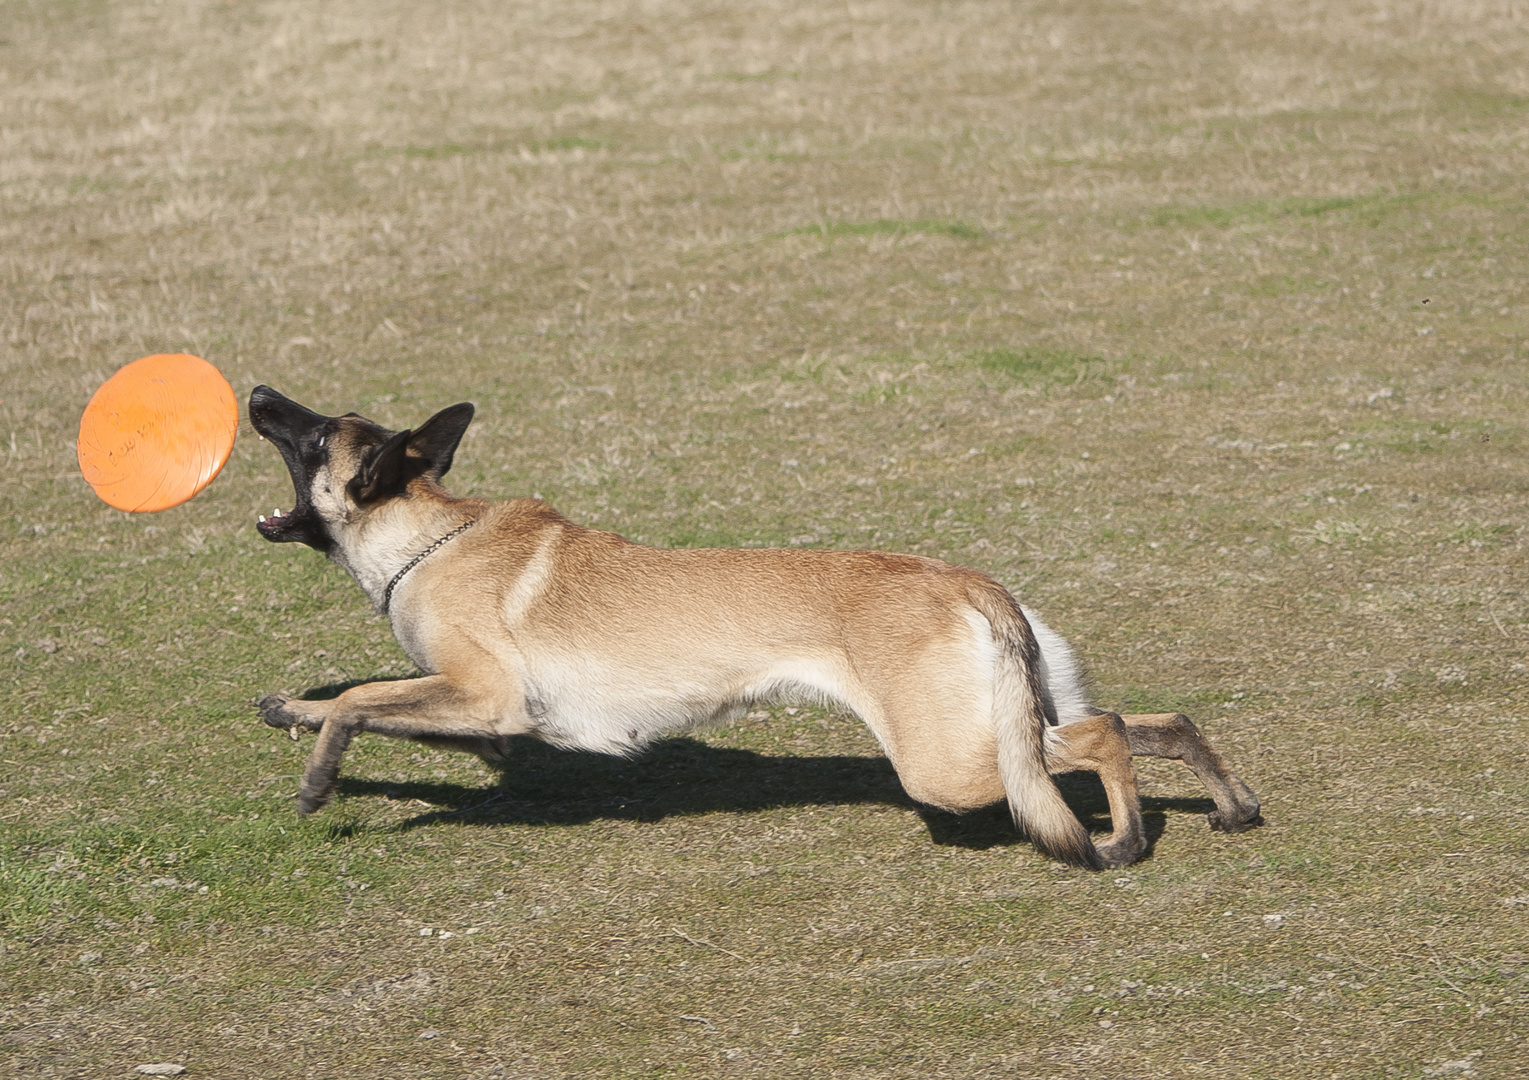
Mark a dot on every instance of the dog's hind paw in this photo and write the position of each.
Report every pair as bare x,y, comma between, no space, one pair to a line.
1222,823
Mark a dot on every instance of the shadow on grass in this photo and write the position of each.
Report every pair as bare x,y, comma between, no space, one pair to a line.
680,777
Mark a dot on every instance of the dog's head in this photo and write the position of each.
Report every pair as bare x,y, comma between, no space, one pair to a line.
344,466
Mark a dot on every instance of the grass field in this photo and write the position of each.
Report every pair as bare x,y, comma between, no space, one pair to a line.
1199,324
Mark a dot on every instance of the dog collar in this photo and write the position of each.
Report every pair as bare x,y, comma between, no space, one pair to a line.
387,595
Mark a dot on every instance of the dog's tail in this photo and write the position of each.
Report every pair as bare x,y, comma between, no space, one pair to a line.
1034,800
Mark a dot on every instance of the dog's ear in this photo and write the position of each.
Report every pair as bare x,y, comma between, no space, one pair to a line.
425,451
436,440
384,470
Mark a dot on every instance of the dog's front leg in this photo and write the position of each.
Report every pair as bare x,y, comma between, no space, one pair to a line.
432,707
290,714
295,715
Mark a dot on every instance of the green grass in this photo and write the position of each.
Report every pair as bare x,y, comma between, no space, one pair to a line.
1040,363
1151,349
1361,209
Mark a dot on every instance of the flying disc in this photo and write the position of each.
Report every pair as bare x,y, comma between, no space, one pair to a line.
157,432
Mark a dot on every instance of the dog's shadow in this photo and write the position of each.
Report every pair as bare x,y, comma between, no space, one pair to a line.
680,777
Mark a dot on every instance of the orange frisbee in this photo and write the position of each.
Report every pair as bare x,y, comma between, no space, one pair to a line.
157,432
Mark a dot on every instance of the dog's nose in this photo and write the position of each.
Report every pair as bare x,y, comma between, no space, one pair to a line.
264,395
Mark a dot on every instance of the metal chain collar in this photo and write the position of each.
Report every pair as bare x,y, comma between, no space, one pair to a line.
387,596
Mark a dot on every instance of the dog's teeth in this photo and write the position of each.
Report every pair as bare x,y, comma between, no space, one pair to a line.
261,517
292,731
276,512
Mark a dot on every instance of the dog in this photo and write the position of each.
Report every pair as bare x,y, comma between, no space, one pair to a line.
525,623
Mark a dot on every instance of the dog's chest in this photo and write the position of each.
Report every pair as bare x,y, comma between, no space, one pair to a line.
414,641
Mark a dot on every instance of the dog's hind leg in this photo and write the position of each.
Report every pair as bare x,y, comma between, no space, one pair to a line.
1172,735
433,708
1100,745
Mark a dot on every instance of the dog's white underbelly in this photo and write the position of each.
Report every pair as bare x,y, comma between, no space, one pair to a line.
581,704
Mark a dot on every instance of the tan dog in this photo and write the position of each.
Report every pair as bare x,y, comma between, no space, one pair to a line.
531,625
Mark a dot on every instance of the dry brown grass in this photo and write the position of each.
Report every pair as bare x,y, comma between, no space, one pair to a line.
1122,302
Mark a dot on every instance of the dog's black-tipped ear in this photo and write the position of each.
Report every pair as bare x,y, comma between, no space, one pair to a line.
425,451
384,471
435,441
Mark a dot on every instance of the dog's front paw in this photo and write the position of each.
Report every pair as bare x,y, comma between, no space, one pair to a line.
312,797
286,713
273,710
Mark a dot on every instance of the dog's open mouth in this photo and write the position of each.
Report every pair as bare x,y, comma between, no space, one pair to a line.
278,524
298,434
